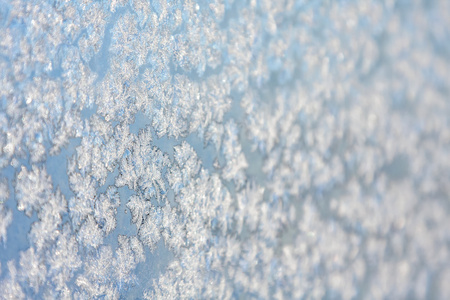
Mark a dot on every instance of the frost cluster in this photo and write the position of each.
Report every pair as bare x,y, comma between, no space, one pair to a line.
224,149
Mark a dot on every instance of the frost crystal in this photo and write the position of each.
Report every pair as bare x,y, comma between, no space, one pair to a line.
5,220
224,149
33,189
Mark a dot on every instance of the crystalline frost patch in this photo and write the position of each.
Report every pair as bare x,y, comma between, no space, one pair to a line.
224,149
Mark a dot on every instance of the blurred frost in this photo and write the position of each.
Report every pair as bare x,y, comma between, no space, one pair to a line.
224,149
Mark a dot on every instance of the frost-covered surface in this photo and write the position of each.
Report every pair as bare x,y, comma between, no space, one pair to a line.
224,149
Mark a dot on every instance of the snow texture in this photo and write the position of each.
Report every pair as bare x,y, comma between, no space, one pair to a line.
217,149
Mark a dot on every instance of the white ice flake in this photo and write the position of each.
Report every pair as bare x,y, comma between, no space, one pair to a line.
33,188
232,150
5,214
138,208
106,209
141,167
138,249
124,262
150,232
10,286
187,161
249,203
63,259
44,232
174,233
5,220
89,233
32,269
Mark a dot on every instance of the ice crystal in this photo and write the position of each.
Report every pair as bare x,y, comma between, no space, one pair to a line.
5,214
33,268
5,220
106,209
149,232
33,188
